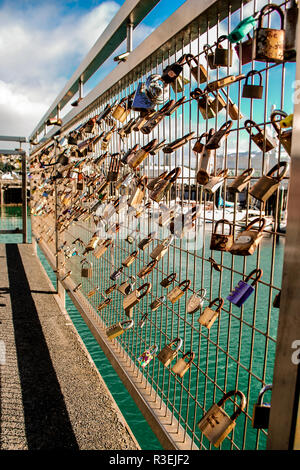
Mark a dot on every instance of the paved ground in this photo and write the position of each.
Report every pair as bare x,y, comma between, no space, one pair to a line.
51,397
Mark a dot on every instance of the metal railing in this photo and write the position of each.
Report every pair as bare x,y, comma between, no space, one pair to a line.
238,352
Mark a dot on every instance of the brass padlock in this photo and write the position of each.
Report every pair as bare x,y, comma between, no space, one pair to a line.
134,297
168,354
204,161
164,185
92,292
209,56
104,304
102,248
290,27
130,259
284,137
218,103
110,289
177,292
135,159
204,103
146,241
209,316
223,57
151,185
121,111
247,241
198,71
196,301
167,281
215,140
253,91
241,181
176,144
179,84
126,129
157,302
161,249
223,82
114,167
261,411
138,192
221,241
92,243
215,182
216,424
118,329
269,43
86,268
268,184
146,270
126,287
263,142
181,366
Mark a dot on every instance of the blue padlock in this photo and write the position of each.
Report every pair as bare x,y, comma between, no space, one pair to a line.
242,291
242,29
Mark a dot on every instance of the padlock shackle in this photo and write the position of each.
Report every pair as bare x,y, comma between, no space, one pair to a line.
147,286
223,173
248,171
202,292
220,300
223,221
284,166
258,272
186,284
150,145
191,58
148,268
226,126
126,324
189,354
271,7
177,341
167,241
173,174
262,392
249,124
252,73
274,114
242,406
221,39
152,350
170,278
262,221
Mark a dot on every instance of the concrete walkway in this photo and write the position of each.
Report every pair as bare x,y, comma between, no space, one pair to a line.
51,395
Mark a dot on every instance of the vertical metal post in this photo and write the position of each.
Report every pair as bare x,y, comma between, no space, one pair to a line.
59,287
129,36
24,198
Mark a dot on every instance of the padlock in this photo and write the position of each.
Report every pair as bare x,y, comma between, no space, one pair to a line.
134,297
198,71
253,91
179,84
161,249
290,27
164,185
157,302
92,292
244,50
204,102
156,118
242,29
223,82
200,146
196,301
215,140
143,118
146,241
105,112
261,411
86,269
118,329
218,103
168,354
287,121
242,291
124,181
241,181
209,316
92,243
134,160
221,241
110,289
178,291
176,144
181,366
114,167
156,89
151,185
276,301
129,154
143,319
167,281
102,248
268,184
147,356
146,270
248,240
263,142
209,56
79,184
215,265
126,129
269,43
126,287
138,192
116,274
171,72
215,182
284,137
104,304
222,57
216,424
141,101
203,166
121,111
130,259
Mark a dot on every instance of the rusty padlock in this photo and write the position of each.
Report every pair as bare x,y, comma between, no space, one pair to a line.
86,268
146,241
221,241
215,140
209,316
263,142
114,167
182,366
290,27
269,43
241,181
248,240
164,185
134,297
146,270
168,354
157,302
204,103
244,50
223,57
284,137
250,90
268,184
178,291
167,281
